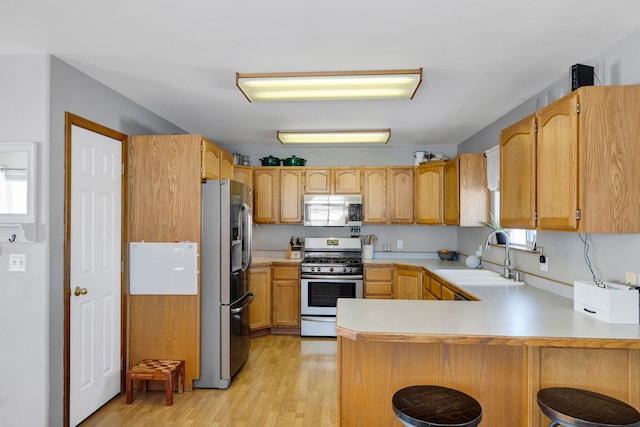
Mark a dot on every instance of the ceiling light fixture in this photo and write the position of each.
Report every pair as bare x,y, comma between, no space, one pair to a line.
379,136
329,85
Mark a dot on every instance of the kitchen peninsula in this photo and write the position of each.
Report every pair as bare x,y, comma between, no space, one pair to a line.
501,350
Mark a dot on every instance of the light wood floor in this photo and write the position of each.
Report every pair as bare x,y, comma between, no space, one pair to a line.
287,381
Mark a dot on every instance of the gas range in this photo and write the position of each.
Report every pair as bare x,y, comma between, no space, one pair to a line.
332,256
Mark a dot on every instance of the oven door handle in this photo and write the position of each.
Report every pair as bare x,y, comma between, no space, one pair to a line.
318,319
331,277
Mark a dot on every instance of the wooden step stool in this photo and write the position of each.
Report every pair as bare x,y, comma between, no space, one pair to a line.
156,369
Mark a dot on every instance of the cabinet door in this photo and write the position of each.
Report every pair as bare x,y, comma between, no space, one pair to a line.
266,184
407,283
429,193
557,165
226,165
400,194
447,293
472,189
347,180
260,308
210,163
291,191
378,281
318,181
518,174
286,303
243,174
374,198
452,192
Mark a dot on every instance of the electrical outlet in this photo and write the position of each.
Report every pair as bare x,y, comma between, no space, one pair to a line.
17,263
544,263
630,278
399,244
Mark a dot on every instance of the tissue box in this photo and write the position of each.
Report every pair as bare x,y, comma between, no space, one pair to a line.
613,304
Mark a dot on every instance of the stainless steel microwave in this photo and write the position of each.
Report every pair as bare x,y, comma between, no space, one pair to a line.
332,210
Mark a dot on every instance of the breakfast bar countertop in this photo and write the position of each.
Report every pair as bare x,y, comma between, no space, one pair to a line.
516,314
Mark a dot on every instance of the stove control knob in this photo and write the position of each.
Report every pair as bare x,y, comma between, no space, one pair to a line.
346,270
331,269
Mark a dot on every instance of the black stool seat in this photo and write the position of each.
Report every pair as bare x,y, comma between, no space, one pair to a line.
583,408
435,406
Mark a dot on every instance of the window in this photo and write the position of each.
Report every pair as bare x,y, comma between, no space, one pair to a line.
517,236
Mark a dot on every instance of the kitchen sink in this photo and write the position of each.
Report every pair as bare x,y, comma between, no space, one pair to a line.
475,277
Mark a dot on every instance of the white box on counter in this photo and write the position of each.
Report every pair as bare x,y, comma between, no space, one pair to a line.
613,303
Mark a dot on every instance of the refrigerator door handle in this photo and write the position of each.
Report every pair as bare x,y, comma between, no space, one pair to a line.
247,234
237,310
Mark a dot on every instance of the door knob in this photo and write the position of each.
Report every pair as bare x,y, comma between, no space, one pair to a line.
79,291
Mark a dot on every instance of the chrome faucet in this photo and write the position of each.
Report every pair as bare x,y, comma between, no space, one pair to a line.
506,266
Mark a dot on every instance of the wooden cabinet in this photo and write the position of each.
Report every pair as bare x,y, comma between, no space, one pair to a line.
374,199
165,199
347,180
286,295
407,282
378,281
400,193
266,191
429,193
426,287
216,163
436,287
291,192
585,163
318,181
243,174
260,308
518,174
466,197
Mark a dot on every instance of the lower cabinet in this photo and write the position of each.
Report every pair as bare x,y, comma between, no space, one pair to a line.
285,286
378,281
260,308
407,282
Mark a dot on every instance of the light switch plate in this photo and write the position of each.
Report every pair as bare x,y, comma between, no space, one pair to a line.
18,263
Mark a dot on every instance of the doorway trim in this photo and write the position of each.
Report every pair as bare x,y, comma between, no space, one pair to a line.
70,120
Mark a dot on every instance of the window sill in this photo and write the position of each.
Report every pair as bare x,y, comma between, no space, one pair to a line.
520,248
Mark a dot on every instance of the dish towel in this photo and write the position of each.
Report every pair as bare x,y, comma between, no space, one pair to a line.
493,168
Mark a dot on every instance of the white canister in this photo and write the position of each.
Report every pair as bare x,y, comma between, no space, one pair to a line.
367,251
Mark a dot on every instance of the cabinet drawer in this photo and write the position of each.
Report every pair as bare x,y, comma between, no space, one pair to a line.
378,288
378,274
286,272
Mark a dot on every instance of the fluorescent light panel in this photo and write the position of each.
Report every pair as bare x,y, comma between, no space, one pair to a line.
329,85
379,136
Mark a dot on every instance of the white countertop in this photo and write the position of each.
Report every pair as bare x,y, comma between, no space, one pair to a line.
523,312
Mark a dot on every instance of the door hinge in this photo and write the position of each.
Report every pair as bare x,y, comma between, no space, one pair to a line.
577,107
202,147
122,266
535,216
577,213
535,128
122,169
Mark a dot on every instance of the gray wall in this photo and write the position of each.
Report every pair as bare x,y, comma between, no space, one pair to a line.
611,254
79,94
36,92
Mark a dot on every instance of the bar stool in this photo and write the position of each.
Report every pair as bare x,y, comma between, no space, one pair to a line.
573,407
431,406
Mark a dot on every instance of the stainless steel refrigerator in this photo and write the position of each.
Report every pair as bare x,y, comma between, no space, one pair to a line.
224,269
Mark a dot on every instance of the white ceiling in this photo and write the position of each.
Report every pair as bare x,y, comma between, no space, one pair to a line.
481,58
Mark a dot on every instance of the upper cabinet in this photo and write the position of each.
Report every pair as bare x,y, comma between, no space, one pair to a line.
466,197
266,195
400,194
339,180
429,193
347,180
318,181
586,171
374,198
518,174
216,163
291,195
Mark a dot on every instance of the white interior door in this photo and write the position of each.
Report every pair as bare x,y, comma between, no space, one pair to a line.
95,264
